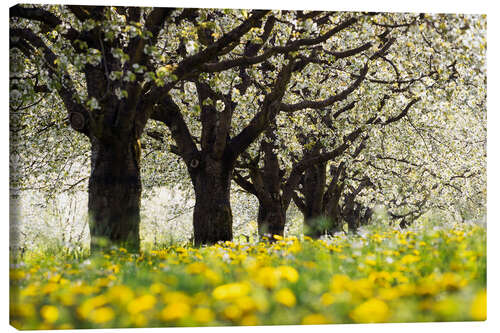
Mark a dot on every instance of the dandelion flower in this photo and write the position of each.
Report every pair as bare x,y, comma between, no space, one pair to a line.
478,307
371,311
49,313
314,319
286,297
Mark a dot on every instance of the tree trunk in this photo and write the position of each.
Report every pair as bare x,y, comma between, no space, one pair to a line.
271,219
212,217
115,194
334,216
332,207
315,223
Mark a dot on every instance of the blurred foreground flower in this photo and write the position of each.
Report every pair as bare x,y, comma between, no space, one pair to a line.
371,311
478,308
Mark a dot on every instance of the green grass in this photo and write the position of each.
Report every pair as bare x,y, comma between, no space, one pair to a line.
430,273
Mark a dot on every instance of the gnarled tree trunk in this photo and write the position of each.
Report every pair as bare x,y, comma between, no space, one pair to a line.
115,194
272,213
321,205
315,222
212,217
271,218
333,211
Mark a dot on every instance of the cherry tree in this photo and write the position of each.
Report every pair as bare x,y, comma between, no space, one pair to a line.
318,107
105,65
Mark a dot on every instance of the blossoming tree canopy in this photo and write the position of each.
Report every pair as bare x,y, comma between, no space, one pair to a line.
393,100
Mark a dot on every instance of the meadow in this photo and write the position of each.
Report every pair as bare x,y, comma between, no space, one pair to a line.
429,272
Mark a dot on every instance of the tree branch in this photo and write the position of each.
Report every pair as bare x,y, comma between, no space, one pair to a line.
243,183
329,101
262,119
309,161
169,113
402,113
66,89
35,14
154,23
293,46
194,62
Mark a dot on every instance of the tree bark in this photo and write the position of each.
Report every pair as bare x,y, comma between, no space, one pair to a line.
115,194
321,206
272,213
271,219
212,217
315,222
333,212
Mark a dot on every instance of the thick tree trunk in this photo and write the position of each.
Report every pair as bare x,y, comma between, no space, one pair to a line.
315,222
332,208
334,216
115,194
322,212
212,217
315,225
271,219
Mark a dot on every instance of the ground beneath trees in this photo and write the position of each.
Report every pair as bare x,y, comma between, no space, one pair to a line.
424,274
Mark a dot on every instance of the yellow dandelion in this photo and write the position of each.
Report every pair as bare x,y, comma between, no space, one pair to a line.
175,311
478,307
120,293
176,297
410,259
427,287
49,288
232,312
314,319
286,297
371,311
231,290
55,278
66,298
102,315
203,315
382,278
139,320
114,268
361,287
452,281
288,273
446,308
157,288
246,304
338,283
196,268
327,299
268,276
90,304
388,294
249,320
140,304
49,313
30,290
102,282
212,276
370,262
